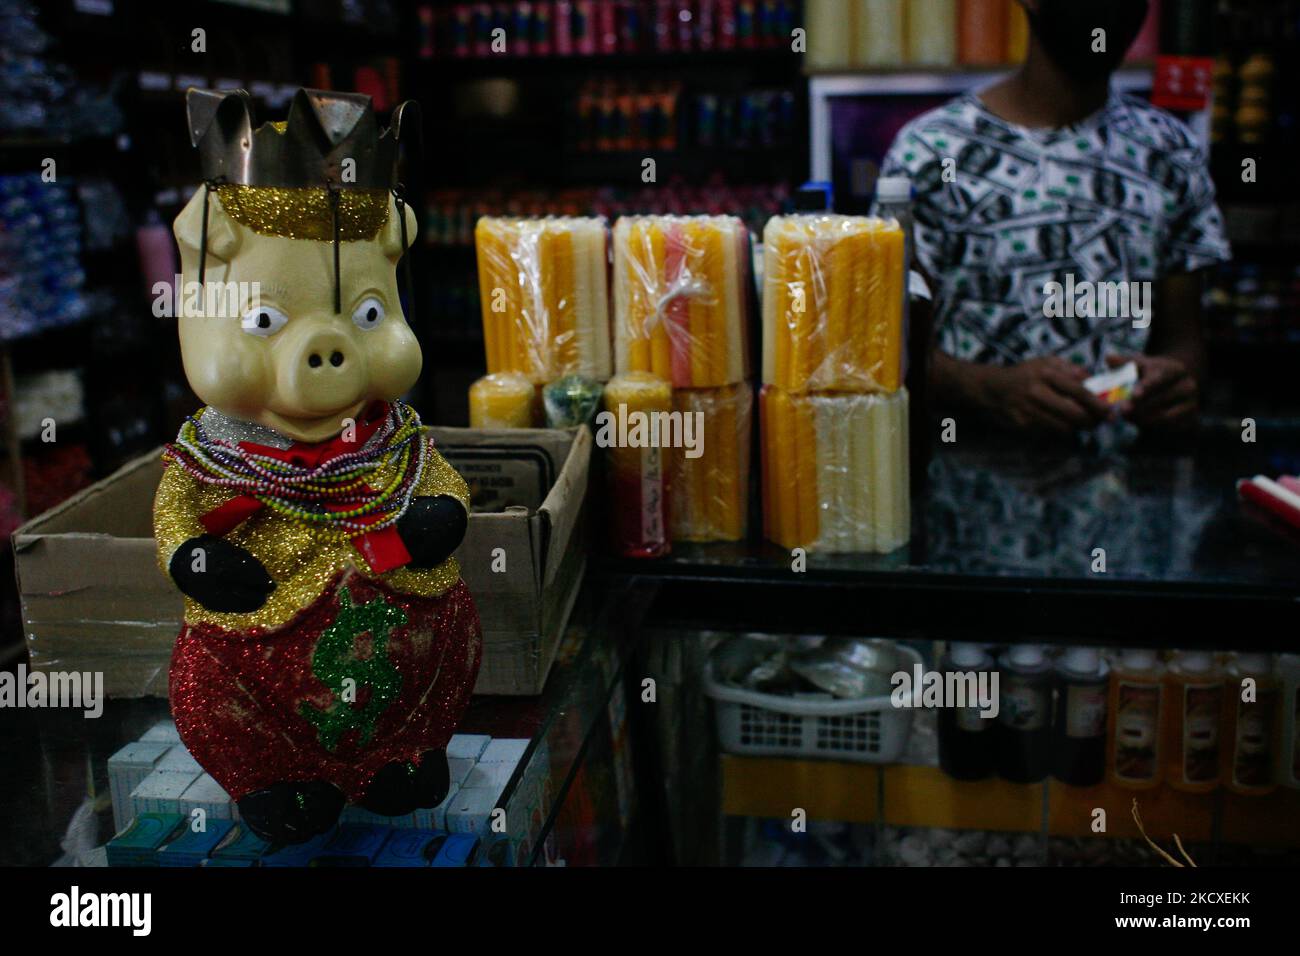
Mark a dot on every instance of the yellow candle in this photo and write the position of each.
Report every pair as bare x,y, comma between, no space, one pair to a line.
502,400
710,492
835,470
697,280
832,311
638,474
544,296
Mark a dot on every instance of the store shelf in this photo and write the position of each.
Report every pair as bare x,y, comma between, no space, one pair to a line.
1003,543
927,797
772,787
922,796
661,64
921,71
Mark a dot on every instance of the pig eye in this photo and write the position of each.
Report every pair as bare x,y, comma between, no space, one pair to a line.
369,313
263,320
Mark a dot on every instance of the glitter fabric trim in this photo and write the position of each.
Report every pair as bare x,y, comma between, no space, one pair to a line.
300,560
306,213
250,710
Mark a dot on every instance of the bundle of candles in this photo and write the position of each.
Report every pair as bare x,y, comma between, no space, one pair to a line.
680,298
543,291
709,488
1280,497
833,409
833,304
835,470
639,464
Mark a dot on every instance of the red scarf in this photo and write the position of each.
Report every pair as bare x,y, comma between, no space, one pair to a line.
382,549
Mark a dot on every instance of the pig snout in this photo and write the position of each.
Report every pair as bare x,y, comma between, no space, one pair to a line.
323,373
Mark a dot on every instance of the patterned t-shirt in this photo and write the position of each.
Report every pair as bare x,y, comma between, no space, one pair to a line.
1123,196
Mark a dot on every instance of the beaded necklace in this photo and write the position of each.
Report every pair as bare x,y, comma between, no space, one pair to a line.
335,497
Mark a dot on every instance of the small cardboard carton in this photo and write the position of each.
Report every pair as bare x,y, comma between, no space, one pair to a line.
93,598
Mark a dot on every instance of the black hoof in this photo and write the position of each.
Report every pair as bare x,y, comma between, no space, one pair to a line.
392,792
288,813
433,779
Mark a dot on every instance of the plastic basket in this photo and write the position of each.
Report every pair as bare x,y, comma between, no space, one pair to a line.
869,730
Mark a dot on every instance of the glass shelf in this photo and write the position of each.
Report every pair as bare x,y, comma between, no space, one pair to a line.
1005,538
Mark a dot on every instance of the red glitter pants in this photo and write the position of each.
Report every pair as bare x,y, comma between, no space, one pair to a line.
363,676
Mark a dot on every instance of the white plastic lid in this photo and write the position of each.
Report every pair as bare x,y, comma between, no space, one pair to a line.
1138,658
1253,661
1195,660
1026,655
1081,660
966,655
893,189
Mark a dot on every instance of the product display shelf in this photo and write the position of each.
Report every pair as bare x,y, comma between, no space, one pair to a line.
1007,546
57,756
923,796
586,738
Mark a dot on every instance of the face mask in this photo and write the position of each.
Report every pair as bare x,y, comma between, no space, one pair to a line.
1067,31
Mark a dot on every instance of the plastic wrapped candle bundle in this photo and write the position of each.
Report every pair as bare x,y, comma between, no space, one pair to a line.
835,470
631,429
503,400
833,304
681,291
544,295
710,479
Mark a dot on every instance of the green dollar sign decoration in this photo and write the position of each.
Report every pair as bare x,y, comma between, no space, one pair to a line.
335,661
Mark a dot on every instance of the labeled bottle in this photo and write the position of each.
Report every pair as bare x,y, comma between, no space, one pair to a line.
1194,695
1136,720
1250,725
1024,731
1288,757
1079,730
967,742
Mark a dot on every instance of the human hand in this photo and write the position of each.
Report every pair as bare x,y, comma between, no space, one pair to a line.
1042,394
1166,394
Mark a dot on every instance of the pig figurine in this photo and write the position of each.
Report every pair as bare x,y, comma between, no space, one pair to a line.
329,645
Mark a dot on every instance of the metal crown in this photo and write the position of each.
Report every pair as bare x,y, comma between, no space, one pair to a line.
309,150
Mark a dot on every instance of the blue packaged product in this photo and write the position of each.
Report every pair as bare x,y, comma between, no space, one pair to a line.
411,848
241,843
191,848
353,842
457,850
299,854
138,845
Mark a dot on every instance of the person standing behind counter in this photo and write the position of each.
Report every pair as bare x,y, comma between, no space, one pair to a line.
1051,176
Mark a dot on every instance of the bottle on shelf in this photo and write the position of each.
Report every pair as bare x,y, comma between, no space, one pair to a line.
1136,720
1024,730
1288,758
1079,730
1250,725
1194,694
967,741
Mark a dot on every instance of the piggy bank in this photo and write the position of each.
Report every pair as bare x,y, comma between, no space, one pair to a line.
329,645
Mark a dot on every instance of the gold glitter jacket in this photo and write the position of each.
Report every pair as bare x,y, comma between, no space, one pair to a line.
299,560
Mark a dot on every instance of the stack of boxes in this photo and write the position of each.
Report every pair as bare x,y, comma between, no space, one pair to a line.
833,408
157,786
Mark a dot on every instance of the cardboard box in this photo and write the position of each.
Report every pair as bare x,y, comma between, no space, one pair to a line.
94,599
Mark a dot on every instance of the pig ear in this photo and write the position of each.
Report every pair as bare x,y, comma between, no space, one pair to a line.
223,237
391,234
